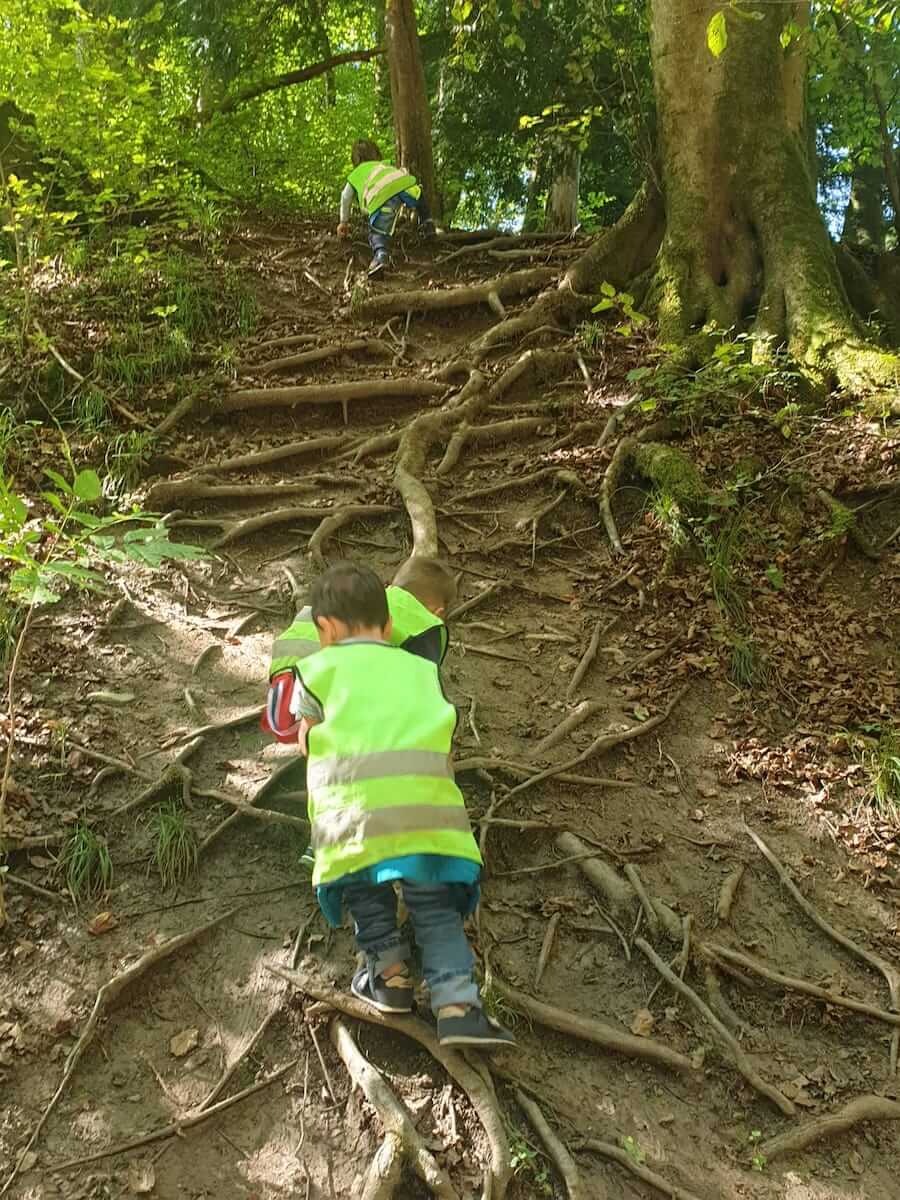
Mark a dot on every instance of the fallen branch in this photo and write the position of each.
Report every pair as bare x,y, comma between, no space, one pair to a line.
504,287
589,655
251,399
480,1094
889,973
177,1128
373,346
624,1159
863,1108
724,1035
402,1141
106,997
559,1155
587,1029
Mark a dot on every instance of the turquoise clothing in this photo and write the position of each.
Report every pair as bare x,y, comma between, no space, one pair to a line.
417,868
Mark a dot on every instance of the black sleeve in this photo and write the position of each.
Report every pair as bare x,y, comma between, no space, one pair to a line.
428,645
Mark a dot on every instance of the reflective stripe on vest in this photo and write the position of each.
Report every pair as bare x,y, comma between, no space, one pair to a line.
379,777
298,641
375,183
410,617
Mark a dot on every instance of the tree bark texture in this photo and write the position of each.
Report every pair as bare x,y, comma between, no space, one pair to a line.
412,115
561,214
744,242
864,216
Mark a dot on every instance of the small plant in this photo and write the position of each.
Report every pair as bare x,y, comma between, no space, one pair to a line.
85,864
175,853
528,1163
748,667
126,456
90,412
623,303
758,1161
667,514
494,1004
633,1150
722,549
880,758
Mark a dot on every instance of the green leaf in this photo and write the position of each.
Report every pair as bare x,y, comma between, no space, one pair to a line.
88,486
717,34
603,305
785,37
637,373
648,405
28,585
775,577
152,546
607,289
62,484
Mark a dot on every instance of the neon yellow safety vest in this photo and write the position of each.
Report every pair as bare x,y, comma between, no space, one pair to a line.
410,617
300,639
378,771
376,182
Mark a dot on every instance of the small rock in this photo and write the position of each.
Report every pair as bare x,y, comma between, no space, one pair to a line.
183,1043
141,1178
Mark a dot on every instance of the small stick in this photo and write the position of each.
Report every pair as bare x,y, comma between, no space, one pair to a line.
585,709
740,1060
106,996
794,984
257,796
473,707
551,866
863,1108
633,876
547,946
202,657
559,1155
607,1150
229,1072
119,763
484,594
177,1128
242,718
888,972
489,653
728,891
326,1073
242,808
588,657
484,763
651,656
16,881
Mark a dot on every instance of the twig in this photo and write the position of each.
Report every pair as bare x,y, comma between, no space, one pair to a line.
177,1128
633,876
484,594
740,1060
248,1049
16,881
242,718
590,1030
325,1072
119,763
728,892
584,710
889,973
546,948
863,1108
261,792
550,866
456,1066
795,984
106,996
637,1169
560,1156
398,1127
589,655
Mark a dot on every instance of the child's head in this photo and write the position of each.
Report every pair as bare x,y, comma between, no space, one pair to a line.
349,600
432,583
364,151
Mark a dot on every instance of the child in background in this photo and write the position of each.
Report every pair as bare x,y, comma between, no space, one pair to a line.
422,593
381,191
376,729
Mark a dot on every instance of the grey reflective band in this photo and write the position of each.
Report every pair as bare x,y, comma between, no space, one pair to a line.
330,772
356,824
293,647
379,179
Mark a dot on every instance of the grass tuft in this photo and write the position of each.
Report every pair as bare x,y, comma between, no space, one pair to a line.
85,864
175,852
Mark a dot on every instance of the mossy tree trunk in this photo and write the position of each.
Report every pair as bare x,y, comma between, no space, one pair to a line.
409,98
864,225
561,214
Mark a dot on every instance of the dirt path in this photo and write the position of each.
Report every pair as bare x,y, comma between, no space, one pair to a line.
662,801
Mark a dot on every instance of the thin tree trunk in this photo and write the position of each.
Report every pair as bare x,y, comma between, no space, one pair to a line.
864,216
561,214
412,115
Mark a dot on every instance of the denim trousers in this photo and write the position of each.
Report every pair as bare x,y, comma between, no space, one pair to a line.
434,909
382,221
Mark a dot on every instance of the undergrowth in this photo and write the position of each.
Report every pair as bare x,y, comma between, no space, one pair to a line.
85,864
175,850
879,755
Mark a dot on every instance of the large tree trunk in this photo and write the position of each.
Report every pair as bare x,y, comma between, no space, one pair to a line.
744,243
561,215
864,217
412,116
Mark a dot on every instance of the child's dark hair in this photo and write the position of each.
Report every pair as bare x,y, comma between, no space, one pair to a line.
352,593
429,580
364,151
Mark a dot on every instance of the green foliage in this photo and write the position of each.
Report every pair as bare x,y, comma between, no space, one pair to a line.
529,1165
747,667
717,34
175,850
758,1160
85,864
879,755
622,304
633,1150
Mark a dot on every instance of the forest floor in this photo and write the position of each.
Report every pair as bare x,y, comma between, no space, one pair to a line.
739,665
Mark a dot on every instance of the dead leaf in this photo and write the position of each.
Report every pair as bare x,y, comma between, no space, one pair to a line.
28,1161
40,863
856,1163
183,1043
642,1023
102,923
141,1178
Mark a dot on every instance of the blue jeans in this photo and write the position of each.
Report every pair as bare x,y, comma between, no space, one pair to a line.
435,910
383,220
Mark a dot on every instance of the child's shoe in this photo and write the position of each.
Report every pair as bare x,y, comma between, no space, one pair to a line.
394,995
377,265
471,1027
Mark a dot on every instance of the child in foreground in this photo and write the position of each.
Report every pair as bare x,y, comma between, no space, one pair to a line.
376,729
421,595
381,192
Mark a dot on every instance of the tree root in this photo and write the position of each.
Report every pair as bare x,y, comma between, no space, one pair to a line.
618,892
177,493
402,1141
546,947
588,1029
258,796
556,308
374,445
559,1155
605,742
331,524
510,241
569,478
233,531
863,1108
725,1037
480,1094
177,414
625,1160
888,972
291,339
177,1128
235,722
175,777
267,816
485,594
27,886
107,995
251,399
504,287
845,518
262,458
589,655
466,433
727,893
718,1001
585,710
518,770
373,346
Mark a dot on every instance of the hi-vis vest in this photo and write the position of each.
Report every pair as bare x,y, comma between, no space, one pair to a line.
376,182
378,771
409,618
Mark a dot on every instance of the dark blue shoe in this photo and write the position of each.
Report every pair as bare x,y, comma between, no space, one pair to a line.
377,265
376,993
473,1028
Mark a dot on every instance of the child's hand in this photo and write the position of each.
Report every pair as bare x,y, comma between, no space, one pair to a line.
302,730
343,230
